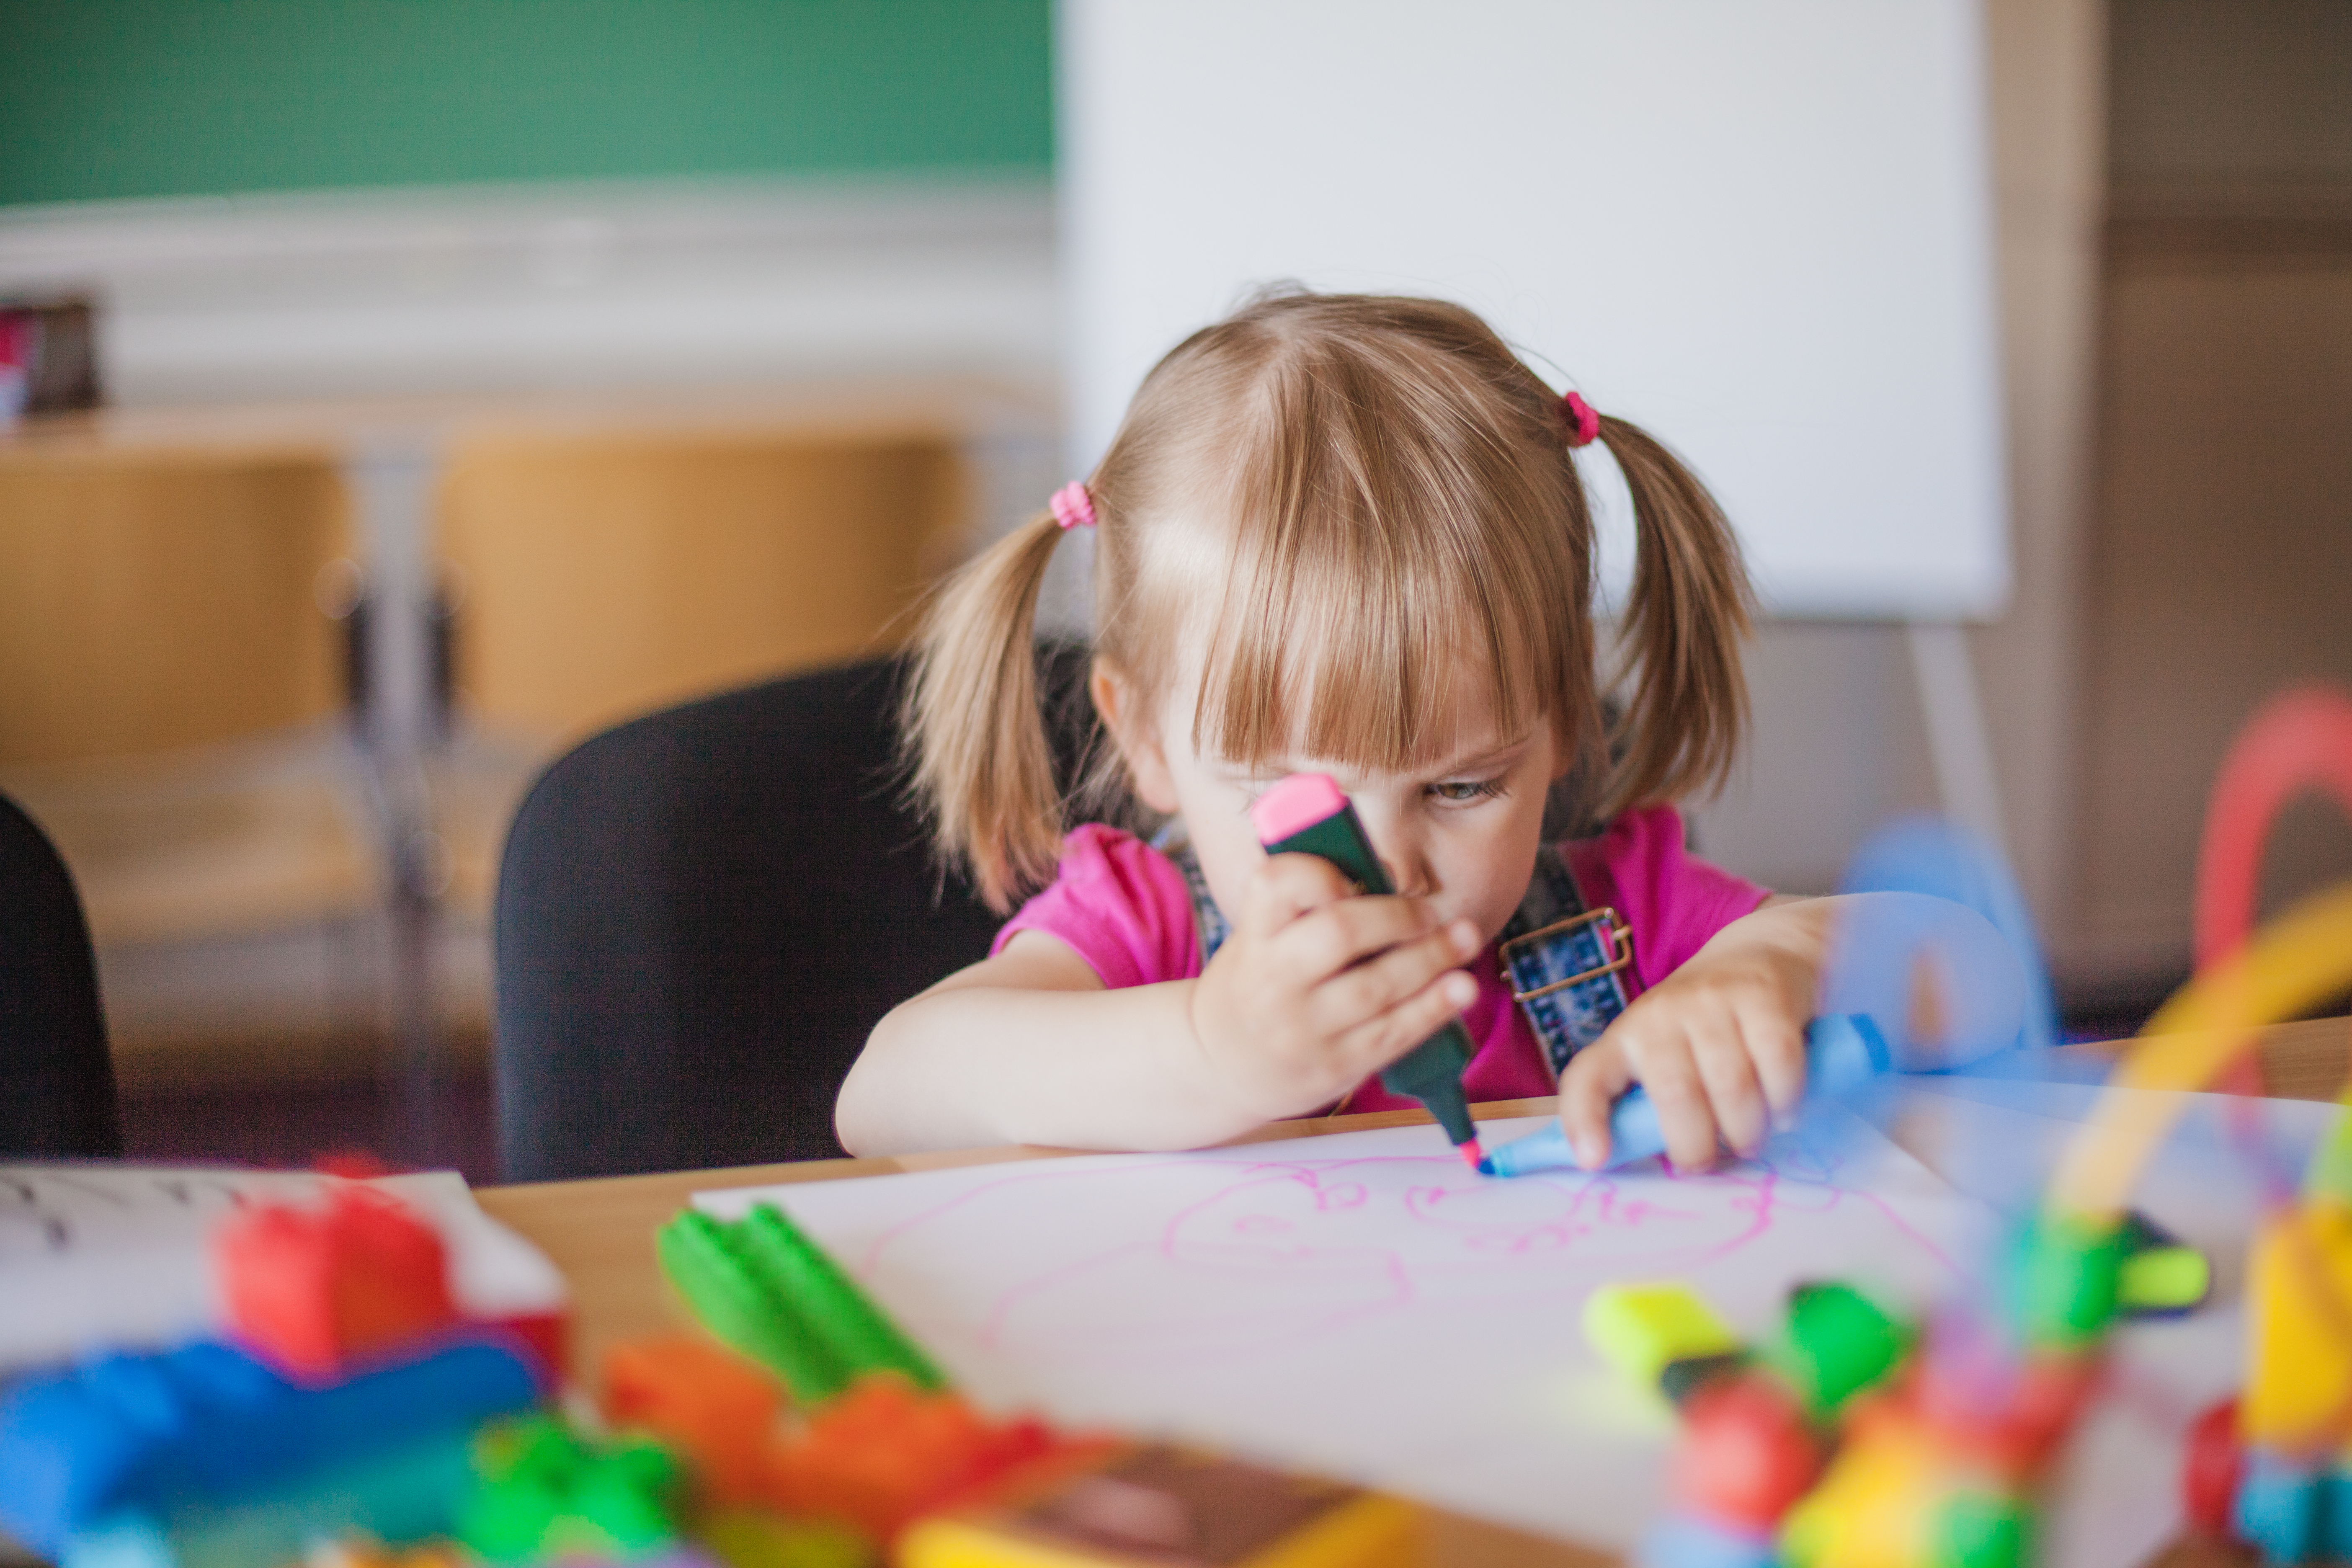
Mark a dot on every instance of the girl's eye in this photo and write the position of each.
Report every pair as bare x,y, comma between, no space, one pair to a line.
1461,791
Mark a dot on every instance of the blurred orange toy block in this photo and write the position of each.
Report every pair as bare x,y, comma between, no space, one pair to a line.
883,1453
715,1406
313,1290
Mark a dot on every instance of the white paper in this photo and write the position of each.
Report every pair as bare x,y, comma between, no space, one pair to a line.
1362,1305
93,1256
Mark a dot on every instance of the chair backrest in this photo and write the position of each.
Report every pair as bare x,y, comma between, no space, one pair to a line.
151,604
600,575
56,1079
702,913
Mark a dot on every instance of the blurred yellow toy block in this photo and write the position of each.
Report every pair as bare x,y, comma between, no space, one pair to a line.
1639,1330
1158,1507
2298,1362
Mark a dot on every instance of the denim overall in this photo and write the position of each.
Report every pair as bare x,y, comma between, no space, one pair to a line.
1563,961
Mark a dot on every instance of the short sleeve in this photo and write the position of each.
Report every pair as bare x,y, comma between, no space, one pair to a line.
1673,900
1120,905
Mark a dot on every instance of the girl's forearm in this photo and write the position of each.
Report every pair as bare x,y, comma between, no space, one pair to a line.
973,1066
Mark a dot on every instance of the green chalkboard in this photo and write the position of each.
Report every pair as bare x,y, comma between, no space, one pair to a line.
104,99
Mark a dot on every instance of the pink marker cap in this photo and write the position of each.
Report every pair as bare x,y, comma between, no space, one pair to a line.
1298,802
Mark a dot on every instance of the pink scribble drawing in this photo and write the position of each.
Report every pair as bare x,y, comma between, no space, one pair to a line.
1263,1251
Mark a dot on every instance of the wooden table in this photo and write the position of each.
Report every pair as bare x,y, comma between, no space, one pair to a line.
600,1233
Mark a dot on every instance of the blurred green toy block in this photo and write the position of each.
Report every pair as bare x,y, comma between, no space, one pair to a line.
763,1286
544,1491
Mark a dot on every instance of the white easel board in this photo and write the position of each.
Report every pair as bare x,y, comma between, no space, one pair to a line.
1764,232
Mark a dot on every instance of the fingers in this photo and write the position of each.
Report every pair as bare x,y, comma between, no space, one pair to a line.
1389,1033
1669,1070
1734,1100
1719,1075
1286,887
1776,1044
1356,993
1594,1079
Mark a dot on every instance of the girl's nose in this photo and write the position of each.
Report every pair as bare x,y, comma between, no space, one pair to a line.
1402,855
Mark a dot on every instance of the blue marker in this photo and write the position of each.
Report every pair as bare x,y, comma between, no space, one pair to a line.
1844,1052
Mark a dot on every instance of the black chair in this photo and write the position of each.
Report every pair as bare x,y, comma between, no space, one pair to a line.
57,1077
702,913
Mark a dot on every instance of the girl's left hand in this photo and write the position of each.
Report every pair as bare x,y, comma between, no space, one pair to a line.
1718,1045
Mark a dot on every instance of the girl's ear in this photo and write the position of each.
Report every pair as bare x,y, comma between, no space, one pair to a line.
1136,734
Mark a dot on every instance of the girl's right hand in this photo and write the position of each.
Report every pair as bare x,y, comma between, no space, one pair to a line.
1317,988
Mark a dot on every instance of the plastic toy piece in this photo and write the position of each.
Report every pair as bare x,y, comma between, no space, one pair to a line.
544,1491
2162,1277
1979,1530
1748,1452
208,1424
1838,1342
2064,1279
714,1407
313,1290
2278,1507
763,1287
1643,1330
1166,1508
366,1551
751,1539
2298,1364
2329,1175
1871,1508
2300,737
2212,1470
1681,1542
2004,1419
412,1492
1844,1052
1306,814
1685,1376
885,1453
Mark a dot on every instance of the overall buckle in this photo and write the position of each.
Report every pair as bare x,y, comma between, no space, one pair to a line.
1615,938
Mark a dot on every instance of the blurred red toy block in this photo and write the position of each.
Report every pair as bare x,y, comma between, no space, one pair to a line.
1748,1451
884,1453
2211,1468
313,1290
717,1407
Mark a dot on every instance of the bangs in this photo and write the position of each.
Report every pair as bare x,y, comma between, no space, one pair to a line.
1391,572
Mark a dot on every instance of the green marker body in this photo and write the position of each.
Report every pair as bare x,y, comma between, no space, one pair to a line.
1432,1071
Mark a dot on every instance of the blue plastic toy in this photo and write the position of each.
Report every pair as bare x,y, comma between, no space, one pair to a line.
207,1425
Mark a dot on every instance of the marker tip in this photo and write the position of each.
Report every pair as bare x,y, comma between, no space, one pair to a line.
1473,1156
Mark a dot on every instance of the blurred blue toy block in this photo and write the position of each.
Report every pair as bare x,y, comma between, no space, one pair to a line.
404,1496
1685,1541
208,1427
2279,1509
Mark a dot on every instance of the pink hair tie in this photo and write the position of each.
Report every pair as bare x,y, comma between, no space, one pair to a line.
1072,507
1583,421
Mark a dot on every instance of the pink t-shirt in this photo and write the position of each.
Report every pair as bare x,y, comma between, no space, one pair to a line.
1124,907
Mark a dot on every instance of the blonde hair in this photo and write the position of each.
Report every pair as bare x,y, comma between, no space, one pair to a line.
1335,498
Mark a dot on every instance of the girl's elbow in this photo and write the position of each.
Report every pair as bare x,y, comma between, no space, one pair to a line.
859,1107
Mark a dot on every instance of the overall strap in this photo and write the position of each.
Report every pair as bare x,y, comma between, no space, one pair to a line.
1564,963
1207,919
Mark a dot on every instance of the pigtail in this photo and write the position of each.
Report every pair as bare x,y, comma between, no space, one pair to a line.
1684,624
980,766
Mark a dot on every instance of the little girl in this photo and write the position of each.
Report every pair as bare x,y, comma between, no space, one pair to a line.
1346,535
